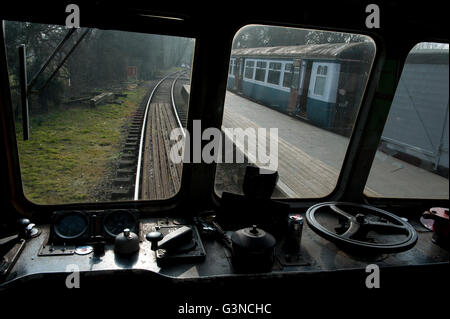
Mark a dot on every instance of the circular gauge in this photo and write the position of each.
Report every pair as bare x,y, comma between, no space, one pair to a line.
116,221
71,225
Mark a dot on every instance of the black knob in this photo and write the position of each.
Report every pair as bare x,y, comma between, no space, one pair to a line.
23,222
154,237
27,230
254,230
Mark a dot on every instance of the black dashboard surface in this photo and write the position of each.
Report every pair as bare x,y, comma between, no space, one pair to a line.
320,256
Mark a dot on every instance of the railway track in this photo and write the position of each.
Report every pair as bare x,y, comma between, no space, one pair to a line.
145,170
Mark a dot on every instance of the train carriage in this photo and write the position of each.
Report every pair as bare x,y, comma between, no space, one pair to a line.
421,101
318,82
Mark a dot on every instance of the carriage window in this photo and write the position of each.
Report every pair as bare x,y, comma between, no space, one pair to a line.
322,70
230,71
287,77
412,158
321,77
319,87
274,73
260,73
87,112
276,119
249,68
236,68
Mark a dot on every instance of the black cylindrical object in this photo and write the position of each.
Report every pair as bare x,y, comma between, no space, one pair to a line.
294,232
253,250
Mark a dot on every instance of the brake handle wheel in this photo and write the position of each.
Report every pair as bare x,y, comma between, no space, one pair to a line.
359,224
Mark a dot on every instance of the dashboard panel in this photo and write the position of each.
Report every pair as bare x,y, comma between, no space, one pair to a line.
75,227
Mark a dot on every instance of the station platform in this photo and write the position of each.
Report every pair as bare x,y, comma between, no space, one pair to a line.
310,158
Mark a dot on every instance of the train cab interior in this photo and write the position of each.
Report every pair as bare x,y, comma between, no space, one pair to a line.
352,232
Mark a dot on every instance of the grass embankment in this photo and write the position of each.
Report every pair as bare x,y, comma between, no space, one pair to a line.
71,149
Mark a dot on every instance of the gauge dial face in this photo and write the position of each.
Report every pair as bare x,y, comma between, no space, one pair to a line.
71,226
117,221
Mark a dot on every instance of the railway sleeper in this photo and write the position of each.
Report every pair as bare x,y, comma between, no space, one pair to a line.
129,156
130,145
121,181
134,134
126,163
132,139
123,172
122,193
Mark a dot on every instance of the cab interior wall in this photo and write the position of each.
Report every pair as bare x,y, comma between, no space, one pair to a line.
214,30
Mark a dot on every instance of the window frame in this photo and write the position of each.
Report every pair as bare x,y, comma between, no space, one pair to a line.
287,72
317,87
375,64
318,73
231,67
380,199
18,197
273,70
246,67
278,86
183,28
261,69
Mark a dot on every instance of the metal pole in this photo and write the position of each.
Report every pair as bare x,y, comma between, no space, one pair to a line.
68,35
441,142
24,91
64,60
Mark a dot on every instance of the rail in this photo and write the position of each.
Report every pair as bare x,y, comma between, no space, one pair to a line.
141,142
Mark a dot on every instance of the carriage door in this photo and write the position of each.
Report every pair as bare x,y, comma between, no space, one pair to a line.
305,77
238,69
294,85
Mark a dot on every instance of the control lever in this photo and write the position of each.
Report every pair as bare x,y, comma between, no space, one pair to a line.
177,238
171,241
27,229
154,237
222,235
10,249
176,244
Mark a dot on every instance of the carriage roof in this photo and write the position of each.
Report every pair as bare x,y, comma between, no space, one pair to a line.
340,51
428,56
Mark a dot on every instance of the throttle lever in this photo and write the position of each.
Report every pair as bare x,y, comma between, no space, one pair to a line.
176,238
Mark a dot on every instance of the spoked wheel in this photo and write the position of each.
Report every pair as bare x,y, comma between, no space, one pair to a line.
361,227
